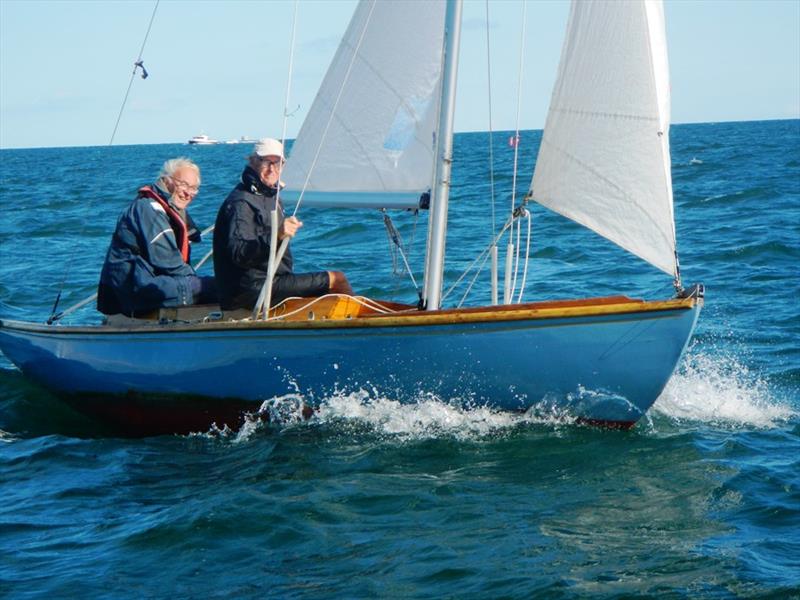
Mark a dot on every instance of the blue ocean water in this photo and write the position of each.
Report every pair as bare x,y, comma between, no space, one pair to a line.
373,499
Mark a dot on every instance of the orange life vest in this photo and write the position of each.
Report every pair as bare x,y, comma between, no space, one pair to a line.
175,220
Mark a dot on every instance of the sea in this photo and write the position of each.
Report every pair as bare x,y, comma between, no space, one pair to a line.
373,499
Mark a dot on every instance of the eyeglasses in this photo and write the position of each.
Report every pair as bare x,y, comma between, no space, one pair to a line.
192,189
271,162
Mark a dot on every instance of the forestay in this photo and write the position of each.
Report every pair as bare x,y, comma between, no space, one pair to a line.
604,160
377,149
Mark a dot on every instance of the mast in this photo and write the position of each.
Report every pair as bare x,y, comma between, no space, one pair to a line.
440,191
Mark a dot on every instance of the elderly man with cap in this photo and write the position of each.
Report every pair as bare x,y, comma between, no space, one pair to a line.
242,238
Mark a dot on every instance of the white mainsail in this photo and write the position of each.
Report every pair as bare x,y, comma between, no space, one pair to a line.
604,160
383,88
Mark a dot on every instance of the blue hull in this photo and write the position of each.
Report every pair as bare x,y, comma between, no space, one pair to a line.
602,365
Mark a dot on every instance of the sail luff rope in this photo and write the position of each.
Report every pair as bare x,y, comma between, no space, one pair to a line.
53,312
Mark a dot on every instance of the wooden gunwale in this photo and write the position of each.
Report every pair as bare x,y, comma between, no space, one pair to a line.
611,305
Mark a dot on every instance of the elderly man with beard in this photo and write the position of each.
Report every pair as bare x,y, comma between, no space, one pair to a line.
147,265
242,239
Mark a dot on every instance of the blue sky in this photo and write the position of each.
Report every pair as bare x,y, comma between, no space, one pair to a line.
221,67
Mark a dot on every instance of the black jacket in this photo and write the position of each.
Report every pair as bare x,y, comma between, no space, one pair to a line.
241,241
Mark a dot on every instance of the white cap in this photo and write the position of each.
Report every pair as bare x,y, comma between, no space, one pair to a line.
269,147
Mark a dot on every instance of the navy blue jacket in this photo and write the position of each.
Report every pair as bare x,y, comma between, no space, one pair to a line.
241,240
144,269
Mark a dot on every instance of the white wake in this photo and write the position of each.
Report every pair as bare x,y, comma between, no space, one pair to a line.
722,391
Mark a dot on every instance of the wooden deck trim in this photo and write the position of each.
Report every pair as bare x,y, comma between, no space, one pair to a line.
565,309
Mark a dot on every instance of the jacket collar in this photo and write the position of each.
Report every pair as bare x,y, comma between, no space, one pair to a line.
252,182
167,197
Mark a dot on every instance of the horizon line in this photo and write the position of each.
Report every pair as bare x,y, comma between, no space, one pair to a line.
3,148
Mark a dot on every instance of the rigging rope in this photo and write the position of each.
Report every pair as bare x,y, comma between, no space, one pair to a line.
286,113
394,237
136,65
139,63
516,212
516,140
527,254
276,255
519,106
267,286
516,147
334,107
491,147
480,257
486,254
518,230
362,300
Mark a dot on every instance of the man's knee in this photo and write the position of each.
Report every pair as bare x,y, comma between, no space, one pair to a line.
338,283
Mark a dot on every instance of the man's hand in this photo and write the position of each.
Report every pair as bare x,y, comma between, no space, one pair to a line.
290,227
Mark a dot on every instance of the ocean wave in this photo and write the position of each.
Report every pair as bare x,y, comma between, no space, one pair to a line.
343,230
773,250
761,193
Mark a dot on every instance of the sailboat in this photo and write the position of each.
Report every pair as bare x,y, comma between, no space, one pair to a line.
380,134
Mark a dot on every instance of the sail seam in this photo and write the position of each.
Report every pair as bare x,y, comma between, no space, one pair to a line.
348,47
607,115
333,110
623,194
410,110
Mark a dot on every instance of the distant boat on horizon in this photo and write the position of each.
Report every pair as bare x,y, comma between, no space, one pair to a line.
202,139
242,140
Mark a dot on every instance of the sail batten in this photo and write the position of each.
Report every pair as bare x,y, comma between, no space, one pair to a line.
607,115
604,159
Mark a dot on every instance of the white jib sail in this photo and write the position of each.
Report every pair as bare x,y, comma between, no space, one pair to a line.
383,88
604,160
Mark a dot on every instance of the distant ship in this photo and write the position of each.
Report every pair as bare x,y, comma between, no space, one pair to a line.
202,139
242,140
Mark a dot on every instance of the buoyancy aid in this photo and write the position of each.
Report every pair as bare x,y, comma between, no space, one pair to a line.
175,220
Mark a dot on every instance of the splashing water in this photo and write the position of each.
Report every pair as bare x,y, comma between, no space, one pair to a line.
280,412
7,437
720,390
713,389
428,417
